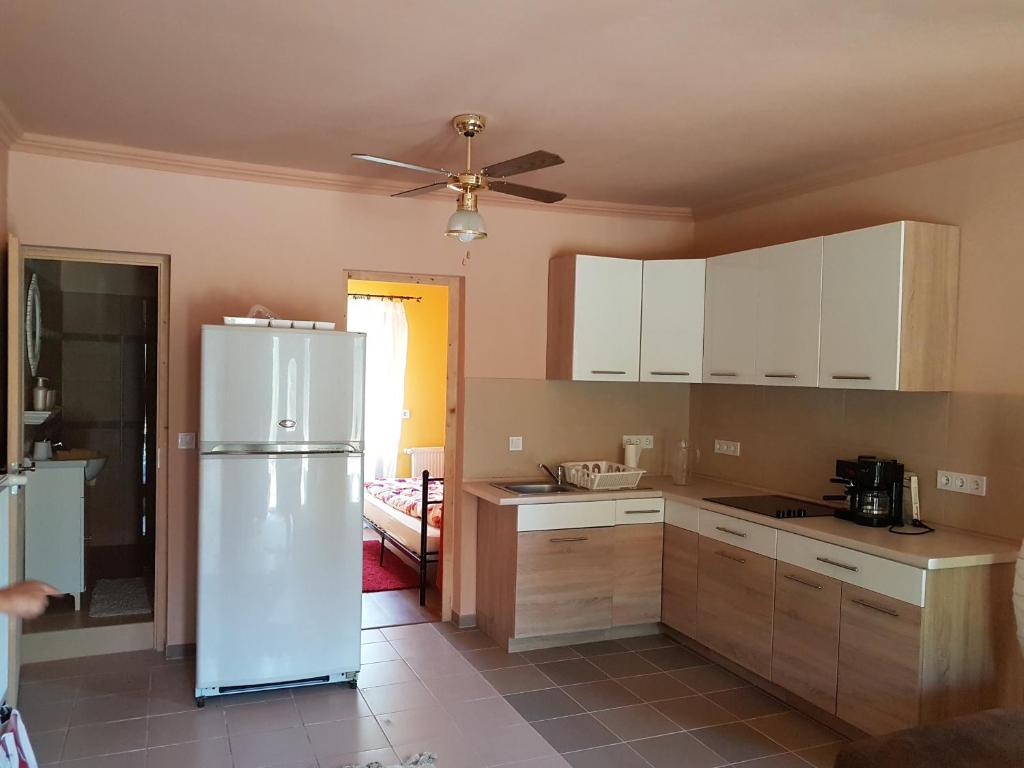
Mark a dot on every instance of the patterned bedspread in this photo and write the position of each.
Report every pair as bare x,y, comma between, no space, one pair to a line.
406,495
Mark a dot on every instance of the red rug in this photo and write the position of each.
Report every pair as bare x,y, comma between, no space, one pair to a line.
394,574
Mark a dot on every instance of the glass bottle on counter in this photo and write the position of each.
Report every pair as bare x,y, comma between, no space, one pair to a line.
680,463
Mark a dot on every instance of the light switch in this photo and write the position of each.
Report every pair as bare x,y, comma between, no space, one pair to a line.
186,440
515,443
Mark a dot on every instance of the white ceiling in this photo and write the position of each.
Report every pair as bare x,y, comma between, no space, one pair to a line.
673,102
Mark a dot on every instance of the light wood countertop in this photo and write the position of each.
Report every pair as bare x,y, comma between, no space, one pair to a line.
945,548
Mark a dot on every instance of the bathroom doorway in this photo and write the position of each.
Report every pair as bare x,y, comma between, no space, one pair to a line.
93,429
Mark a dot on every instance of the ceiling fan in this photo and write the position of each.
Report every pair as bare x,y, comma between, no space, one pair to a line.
466,223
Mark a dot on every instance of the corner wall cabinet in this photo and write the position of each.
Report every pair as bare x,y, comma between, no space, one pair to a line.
873,308
881,645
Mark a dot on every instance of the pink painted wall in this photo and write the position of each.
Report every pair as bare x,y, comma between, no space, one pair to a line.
235,243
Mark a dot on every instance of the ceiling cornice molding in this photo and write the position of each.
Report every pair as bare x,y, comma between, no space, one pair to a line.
10,130
77,149
1003,133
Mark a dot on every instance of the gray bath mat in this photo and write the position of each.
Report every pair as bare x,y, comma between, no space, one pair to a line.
119,597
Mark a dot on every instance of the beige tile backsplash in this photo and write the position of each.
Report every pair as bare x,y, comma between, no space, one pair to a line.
791,437
565,421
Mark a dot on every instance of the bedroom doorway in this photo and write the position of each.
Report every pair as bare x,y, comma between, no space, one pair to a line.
407,328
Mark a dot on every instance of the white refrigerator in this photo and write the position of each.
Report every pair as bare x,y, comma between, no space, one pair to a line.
280,506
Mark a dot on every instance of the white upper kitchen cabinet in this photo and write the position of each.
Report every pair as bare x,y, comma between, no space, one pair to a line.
788,313
888,307
594,318
730,318
672,335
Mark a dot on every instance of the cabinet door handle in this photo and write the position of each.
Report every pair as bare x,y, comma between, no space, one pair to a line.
727,556
780,375
837,564
669,373
798,580
609,373
568,539
730,531
723,373
851,377
880,609
642,511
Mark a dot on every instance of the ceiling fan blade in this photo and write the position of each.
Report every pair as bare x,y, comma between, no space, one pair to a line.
421,190
400,164
534,161
531,193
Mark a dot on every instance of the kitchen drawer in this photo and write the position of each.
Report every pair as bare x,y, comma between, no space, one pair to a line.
569,514
897,580
682,515
564,581
739,533
633,511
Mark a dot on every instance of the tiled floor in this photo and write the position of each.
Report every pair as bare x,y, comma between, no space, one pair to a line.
643,703
400,606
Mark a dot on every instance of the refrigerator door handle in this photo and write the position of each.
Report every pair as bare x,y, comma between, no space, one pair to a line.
283,449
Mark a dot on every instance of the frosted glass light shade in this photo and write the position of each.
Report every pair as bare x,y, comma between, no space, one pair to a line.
467,226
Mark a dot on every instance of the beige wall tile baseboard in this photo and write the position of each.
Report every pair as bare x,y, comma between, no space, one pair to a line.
791,437
182,651
567,421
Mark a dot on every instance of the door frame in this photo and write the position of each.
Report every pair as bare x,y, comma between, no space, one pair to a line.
162,263
454,409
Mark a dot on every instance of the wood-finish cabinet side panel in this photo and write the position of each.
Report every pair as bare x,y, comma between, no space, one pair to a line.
636,589
879,684
564,581
805,643
496,570
971,660
735,604
679,580
931,270
561,315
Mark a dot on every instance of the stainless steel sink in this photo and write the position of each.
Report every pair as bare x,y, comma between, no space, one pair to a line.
536,489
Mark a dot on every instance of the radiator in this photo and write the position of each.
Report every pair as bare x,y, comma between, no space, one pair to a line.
430,459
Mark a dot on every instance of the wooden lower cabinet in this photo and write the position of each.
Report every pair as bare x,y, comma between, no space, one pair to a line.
636,589
679,580
879,678
564,581
805,646
735,604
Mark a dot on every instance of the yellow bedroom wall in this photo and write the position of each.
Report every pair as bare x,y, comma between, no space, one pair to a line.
425,365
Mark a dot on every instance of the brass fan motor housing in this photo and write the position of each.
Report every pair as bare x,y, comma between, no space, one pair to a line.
469,125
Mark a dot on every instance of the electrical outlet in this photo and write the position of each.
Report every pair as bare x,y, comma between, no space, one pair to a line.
186,440
644,441
515,443
728,447
958,482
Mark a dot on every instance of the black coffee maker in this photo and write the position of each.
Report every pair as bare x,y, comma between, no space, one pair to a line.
874,491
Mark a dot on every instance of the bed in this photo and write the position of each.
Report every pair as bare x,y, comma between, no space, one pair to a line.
408,513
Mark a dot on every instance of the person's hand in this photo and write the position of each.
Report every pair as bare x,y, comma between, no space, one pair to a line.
26,599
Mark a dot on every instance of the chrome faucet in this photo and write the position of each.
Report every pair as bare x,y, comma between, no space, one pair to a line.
558,477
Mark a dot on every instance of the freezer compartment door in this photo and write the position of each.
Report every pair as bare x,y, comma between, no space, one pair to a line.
280,568
262,385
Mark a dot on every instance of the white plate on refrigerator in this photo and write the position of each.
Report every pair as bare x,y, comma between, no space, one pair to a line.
305,325
259,322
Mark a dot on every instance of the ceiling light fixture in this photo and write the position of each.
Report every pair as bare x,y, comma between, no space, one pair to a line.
466,223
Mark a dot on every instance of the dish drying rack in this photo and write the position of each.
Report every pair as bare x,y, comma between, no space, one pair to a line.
602,475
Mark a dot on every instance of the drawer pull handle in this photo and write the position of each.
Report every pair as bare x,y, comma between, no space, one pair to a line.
568,539
798,580
780,375
609,373
730,531
880,609
723,373
850,377
727,556
837,564
642,511
670,373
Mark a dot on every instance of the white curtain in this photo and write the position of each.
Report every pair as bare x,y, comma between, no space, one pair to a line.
387,342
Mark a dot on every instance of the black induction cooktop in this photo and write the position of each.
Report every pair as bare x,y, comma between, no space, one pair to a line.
775,506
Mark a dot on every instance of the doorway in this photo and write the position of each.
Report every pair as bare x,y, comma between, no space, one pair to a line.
412,327
93,426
